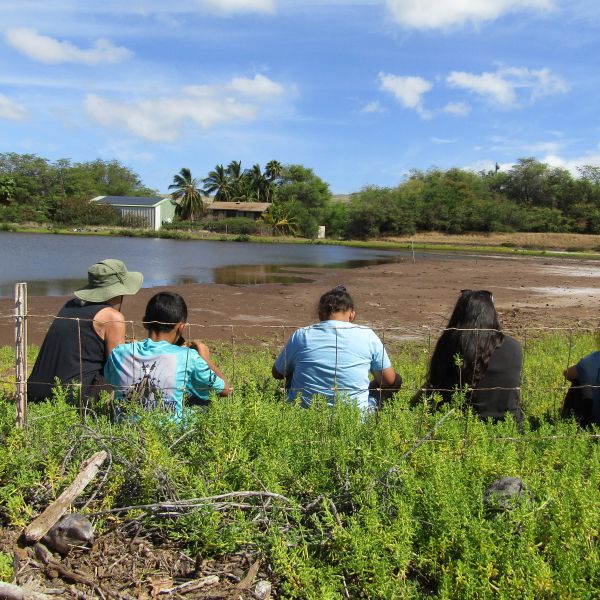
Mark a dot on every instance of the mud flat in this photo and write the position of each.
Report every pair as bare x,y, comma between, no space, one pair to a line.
404,297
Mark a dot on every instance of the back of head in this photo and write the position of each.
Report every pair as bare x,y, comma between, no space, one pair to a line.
473,333
334,301
164,311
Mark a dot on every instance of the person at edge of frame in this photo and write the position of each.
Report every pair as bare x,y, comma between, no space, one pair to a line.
334,357
161,371
83,334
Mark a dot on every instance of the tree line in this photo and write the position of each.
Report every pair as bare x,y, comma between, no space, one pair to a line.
36,189
530,196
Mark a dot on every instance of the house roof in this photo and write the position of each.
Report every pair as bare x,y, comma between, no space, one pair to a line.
242,206
129,200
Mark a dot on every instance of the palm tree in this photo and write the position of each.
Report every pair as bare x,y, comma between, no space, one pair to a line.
260,184
273,170
282,222
187,196
218,182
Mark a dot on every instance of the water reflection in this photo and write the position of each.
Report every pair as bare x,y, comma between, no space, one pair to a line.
255,274
56,265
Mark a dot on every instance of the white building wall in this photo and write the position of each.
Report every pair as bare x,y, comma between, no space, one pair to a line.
144,212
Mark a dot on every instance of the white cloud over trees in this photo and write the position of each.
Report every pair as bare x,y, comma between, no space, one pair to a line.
407,90
162,119
509,86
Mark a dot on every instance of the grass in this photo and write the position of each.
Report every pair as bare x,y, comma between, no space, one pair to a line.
382,523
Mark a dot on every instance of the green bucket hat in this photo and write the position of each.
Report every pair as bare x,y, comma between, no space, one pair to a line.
108,279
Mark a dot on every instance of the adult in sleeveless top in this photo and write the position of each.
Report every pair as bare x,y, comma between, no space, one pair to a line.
84,333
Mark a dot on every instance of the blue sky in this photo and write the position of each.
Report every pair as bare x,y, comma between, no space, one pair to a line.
361,91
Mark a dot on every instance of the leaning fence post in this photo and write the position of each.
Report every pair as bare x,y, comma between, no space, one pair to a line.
21,352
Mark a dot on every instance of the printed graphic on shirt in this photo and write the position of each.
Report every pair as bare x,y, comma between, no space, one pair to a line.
152,382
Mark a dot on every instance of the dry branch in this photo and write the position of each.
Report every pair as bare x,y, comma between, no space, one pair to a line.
41,524
182,505
8,591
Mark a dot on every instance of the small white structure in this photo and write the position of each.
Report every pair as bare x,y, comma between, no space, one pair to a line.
155,211
321,232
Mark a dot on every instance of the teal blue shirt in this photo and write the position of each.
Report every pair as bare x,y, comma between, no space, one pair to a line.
159,374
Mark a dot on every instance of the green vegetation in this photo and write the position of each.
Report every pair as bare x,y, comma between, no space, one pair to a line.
531,196
368,514
38,190
6,567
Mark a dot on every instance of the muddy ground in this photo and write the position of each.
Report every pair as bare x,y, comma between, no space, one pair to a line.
405,297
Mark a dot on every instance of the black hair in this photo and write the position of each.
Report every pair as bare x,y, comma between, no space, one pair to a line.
473,333
336,300
165,310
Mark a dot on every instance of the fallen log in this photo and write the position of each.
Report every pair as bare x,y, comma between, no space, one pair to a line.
38,528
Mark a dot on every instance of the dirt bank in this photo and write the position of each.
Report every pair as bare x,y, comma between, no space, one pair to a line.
529,292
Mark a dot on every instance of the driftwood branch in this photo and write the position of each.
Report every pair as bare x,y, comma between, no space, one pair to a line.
182,505
8,591
36,530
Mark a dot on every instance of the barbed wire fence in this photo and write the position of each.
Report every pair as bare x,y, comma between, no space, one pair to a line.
239,341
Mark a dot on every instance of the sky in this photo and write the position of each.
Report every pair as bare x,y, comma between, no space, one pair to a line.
361,91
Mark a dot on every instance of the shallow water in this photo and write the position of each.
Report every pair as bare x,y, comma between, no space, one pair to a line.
54,265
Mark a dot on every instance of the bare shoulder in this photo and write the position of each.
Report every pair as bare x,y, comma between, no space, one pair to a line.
109,315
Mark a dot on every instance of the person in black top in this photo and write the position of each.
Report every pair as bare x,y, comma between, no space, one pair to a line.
84,333
473,352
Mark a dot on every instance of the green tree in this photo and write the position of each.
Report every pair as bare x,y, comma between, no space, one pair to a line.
187,196
273,170
217,182
7,189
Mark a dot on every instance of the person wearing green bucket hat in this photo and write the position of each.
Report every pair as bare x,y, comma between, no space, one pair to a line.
84,333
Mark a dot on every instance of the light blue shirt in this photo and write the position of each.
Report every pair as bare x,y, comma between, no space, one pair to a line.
332,358
588,373
159,374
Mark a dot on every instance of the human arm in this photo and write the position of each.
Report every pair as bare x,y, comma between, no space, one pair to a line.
571,373
204,352
109,324
276,374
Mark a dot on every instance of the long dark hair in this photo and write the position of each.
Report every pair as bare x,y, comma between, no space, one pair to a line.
336,300
473,333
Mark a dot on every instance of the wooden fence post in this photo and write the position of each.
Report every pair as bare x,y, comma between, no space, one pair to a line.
21,352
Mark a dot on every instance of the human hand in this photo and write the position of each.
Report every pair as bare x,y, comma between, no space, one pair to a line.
201,348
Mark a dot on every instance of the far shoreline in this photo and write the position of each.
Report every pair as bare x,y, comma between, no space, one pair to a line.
536,244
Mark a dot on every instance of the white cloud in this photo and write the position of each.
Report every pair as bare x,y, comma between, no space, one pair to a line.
372,107
460,109
163,119
260,86
591,157
509,86
10,110
434,14
437,140
407,90
48,50
235,6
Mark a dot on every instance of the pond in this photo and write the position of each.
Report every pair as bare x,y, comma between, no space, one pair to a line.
54,265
